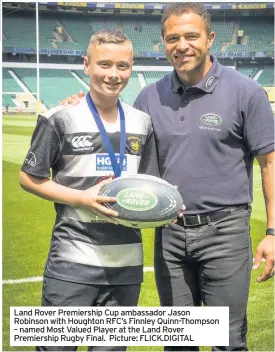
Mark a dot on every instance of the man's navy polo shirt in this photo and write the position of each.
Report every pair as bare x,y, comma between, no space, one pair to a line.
208,134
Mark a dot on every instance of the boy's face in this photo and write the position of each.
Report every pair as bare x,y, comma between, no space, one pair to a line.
109,67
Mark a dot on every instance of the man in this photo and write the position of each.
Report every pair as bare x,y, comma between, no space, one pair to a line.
209,122
92,260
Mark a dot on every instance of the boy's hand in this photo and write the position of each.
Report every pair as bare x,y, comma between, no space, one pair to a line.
92,201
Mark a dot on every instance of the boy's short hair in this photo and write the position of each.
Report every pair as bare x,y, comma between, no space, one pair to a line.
111,36
108,36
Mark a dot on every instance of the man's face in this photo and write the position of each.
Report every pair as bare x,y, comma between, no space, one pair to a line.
109,67
186,42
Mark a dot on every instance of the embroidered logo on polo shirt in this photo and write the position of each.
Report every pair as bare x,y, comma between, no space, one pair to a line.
211,120
209,82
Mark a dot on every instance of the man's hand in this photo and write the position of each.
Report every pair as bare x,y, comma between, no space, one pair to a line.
180,215
73,99
92,202
265,250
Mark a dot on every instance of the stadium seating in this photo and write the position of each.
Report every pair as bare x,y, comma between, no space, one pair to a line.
83,76
267,76
19,30
248,71
131,91
143,43
256,38
9,86
9,83
81,28
153,76
223,31
7,100
55,85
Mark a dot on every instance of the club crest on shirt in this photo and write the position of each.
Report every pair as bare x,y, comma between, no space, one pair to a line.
134,143
31,159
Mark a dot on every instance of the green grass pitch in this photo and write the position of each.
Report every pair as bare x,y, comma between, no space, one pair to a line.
27,226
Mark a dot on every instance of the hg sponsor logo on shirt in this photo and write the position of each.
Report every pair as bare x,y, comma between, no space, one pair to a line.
103,162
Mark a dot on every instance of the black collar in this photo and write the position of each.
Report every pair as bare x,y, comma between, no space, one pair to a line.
207,83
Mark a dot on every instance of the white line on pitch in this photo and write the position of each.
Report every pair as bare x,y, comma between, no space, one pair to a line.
26,279
40,278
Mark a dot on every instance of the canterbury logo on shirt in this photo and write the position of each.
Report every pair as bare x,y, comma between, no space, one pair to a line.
82,141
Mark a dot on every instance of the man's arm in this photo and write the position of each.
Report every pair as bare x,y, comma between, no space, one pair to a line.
149,157
50,190
266,247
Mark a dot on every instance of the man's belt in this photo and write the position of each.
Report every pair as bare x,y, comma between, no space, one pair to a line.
193,220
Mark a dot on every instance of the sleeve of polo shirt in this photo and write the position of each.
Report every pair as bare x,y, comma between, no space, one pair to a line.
259,124
44,150
149,158
141,102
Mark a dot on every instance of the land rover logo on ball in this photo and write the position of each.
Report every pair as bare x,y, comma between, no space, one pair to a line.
136,199
211,120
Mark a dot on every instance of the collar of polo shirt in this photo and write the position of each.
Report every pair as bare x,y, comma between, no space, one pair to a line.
207,84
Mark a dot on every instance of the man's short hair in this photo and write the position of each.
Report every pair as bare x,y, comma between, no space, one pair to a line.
178,9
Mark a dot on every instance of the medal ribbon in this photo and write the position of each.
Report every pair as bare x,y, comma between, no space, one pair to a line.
117,167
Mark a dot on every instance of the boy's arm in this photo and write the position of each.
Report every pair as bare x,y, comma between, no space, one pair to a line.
45,152
50,190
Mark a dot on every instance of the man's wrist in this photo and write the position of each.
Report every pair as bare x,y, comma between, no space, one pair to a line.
270,231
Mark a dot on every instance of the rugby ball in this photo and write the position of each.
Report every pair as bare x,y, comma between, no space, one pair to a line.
143,201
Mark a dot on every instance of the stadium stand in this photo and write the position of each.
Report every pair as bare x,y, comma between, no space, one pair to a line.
84,77
132,89
71,31
55,85
255,37
151,77
20,30
267,77
9,83
80,29
9,86
224,32
248,71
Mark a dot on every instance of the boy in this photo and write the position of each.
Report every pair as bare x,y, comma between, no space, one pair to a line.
92,260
